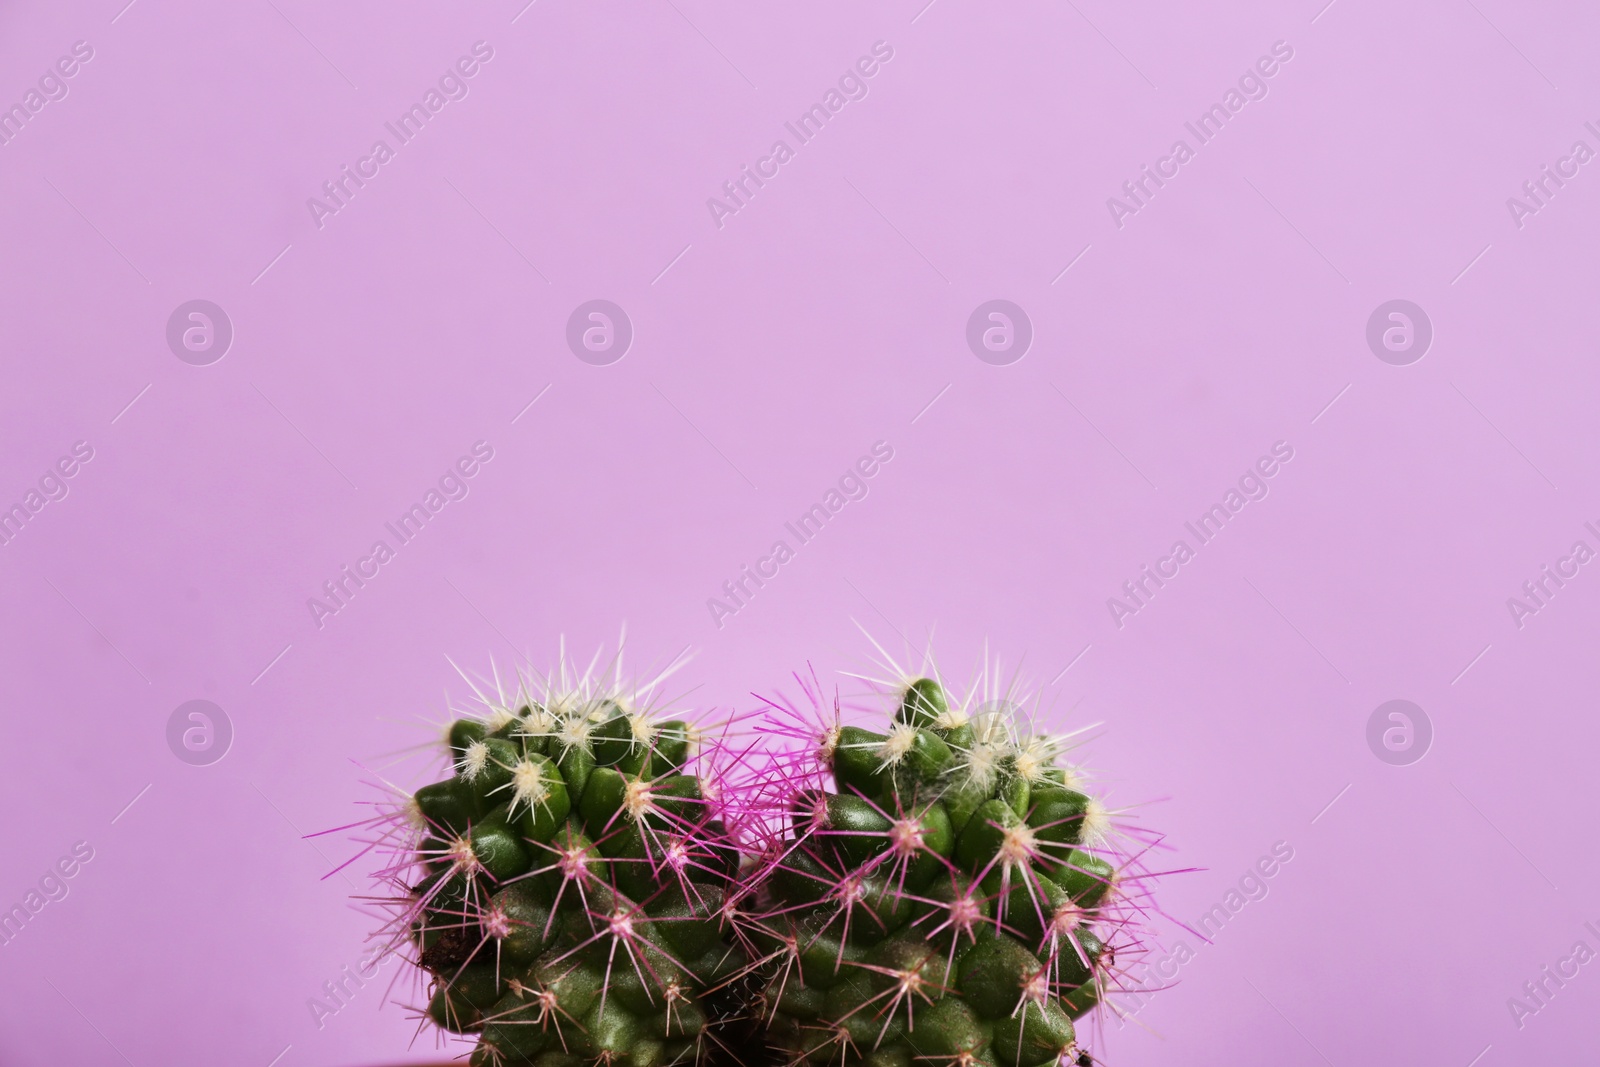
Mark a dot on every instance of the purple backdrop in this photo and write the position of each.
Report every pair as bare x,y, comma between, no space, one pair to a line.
1180,314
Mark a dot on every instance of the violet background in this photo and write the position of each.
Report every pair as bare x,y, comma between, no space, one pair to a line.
826,315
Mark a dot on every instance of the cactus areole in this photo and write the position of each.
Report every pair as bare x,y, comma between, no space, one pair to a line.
938,896
569,892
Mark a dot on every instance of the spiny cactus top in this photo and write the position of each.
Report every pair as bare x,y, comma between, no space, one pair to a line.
568,886
944,891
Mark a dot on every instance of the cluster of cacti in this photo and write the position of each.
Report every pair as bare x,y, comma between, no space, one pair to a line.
940,902
938,890
576,874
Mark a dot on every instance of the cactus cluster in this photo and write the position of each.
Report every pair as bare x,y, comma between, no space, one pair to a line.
575,872
942,893
595,885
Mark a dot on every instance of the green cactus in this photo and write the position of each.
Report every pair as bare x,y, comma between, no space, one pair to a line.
943,891
567,888
594,885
